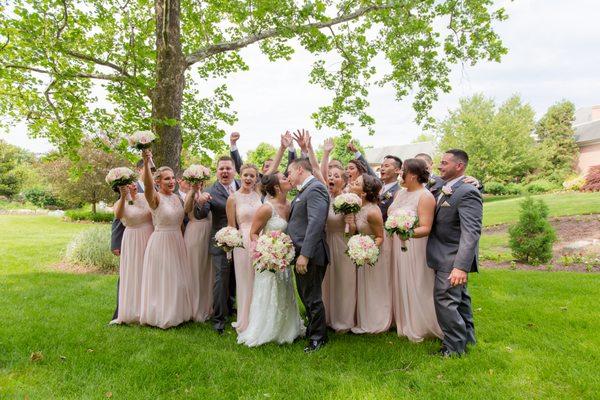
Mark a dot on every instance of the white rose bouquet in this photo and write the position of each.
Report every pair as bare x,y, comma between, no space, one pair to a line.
141,140
362,250
121,176
196,174
347,203
228,238
402,223
274,252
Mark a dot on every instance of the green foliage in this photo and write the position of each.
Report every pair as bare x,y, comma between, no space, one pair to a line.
59,52
425,137
574,182
592,180
43,198
484,131
540,186
263,152
558,150
12,162
531,238
501,189
85,215
91,248
340,151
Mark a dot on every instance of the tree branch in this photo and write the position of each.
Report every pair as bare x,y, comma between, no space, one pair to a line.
248,40
106,77
98,61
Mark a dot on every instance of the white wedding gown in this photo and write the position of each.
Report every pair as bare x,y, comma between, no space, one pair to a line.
274,315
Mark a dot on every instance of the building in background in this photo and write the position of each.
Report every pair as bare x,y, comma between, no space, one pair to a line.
587,136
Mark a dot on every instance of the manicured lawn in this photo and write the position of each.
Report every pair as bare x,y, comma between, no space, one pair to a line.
573,203
537,339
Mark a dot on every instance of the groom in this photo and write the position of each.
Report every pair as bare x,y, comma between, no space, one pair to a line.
452,250
306,227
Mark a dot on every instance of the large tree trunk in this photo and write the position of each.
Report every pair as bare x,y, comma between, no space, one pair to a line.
167,96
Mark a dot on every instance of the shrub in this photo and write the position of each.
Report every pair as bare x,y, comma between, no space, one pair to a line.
540,186
496,188
83,215
574,183
91,248
592,179
514,189
42,198
532,237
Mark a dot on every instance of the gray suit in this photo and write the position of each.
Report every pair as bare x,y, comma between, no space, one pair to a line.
454,243
224,286
306,227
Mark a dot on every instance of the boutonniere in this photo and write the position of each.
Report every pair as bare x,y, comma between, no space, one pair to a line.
431,182
447,190
387,196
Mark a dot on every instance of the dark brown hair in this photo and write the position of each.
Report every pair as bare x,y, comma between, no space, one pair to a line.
371,187
360,166
268,183
417,167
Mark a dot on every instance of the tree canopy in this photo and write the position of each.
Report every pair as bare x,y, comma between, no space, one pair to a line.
145,55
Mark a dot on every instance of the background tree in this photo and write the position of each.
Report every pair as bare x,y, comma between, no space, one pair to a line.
499,142
558,149
263,152
14,163
145,55
82,181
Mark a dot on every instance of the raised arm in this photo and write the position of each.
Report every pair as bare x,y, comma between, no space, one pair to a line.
286,140
119,207
234,152
149,191
259,221
359,156
313,159
327,148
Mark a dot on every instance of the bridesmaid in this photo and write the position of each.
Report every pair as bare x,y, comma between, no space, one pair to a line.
166,300
241,207
354,170
137,220
197,245
374,292
414,310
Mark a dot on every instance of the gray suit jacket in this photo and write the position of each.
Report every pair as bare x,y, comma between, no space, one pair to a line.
117,228
306,226
454,238
217,207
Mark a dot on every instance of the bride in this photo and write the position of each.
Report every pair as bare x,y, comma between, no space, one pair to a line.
274,315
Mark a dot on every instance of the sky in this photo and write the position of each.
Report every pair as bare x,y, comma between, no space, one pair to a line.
553,54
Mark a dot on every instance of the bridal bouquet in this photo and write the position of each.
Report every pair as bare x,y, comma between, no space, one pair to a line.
119,177
141,140
402,223
274,251
362,250
347,203
229,238
196,174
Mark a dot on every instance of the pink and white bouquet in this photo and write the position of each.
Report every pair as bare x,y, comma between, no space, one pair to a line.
347,203
362,250
121,176
196,174
141,140
402,223
274,251
228,238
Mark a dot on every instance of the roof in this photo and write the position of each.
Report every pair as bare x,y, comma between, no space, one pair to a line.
587,133
375,155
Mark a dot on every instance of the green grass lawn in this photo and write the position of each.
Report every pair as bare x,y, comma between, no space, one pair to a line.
571,203
538,338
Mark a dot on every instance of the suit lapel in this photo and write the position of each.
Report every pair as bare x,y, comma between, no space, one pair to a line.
304,189
444,197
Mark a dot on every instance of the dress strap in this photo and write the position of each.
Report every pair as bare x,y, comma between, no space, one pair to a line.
273,211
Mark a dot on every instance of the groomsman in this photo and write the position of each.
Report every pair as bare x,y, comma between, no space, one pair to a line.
452,252
436,182
390,170
214,201
117,229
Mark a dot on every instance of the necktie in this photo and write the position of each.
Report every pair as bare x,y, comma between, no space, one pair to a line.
230,190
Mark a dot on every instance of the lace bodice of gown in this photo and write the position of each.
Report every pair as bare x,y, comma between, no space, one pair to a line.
275,223
406,200
362,224
169,213
138,213
245,207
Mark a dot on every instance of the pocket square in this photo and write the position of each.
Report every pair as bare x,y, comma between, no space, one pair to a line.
445,204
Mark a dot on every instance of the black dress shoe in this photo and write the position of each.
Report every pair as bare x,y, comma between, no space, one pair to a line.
445,353
314,345
219,331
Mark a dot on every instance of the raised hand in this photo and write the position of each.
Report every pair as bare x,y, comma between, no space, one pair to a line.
286,140
300,137
328,145
233,138
351,147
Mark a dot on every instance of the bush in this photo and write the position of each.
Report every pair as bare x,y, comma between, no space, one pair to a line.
540,186
592,180
496,188
531,238
514,189
83,215
574,183
91,248
42,198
